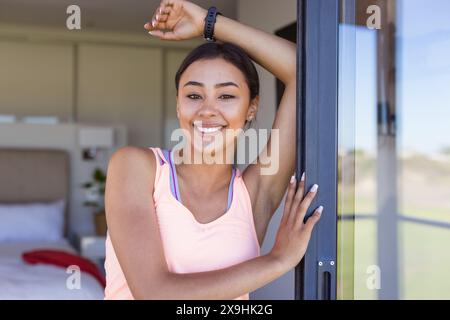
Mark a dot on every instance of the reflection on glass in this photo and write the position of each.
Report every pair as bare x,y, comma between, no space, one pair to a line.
394,151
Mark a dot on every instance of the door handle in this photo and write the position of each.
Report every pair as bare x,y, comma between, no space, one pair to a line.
326,279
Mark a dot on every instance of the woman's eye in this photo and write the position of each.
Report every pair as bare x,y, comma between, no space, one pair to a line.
226,97
223,97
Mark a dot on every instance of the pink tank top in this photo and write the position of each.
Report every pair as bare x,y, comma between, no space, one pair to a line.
190,246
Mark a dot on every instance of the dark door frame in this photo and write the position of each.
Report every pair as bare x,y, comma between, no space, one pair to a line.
317,119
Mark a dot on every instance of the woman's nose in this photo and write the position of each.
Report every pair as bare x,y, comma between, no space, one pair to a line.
208,109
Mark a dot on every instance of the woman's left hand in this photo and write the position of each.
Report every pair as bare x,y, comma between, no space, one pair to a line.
180,19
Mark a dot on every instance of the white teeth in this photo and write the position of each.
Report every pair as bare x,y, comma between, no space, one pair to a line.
208,130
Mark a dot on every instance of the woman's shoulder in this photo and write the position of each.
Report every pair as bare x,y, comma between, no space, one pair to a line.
131,159
132,153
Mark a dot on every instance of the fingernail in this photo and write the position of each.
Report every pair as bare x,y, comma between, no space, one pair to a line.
153,23
320,210
157,16
303,177
314,188
150,32
293,179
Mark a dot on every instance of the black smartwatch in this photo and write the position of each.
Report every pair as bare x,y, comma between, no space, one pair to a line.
210,21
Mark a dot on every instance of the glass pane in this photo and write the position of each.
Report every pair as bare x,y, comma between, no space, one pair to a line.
425,262
423,82
394,149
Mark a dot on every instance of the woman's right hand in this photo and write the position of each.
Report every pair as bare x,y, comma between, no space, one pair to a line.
293,234
180,19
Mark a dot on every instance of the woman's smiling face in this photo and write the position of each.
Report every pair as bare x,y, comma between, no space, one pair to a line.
213,96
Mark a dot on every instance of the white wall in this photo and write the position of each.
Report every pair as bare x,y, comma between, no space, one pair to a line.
269,16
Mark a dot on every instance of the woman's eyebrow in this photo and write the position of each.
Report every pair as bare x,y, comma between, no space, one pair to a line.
219,85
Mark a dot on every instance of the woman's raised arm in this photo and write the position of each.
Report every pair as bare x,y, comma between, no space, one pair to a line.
183,20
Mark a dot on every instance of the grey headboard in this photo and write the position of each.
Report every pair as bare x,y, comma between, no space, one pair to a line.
34,175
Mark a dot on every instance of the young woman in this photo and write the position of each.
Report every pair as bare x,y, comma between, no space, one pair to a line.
194,231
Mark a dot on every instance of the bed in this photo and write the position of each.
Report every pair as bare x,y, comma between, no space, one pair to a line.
34,189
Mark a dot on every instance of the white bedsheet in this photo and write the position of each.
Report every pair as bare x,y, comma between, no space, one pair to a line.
19,280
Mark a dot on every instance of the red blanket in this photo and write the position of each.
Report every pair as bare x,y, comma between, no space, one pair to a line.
64,259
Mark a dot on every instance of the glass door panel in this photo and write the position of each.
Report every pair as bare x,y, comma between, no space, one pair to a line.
394,150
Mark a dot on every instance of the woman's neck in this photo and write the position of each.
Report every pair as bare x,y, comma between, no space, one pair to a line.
202,176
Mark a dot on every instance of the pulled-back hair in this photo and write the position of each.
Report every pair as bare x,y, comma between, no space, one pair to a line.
230,53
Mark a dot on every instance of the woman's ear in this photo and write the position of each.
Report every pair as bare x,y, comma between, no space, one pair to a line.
253,109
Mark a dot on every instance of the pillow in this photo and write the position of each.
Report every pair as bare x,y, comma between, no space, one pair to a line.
32,221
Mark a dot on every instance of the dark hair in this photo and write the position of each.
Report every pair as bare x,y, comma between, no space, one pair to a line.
230,53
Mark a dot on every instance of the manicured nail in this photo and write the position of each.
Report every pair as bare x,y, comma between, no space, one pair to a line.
157,16
293,179
303,177
153,23
150,32
320,210
314,188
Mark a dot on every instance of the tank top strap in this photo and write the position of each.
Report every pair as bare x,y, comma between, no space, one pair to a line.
231,189
160,161
173,174
159,155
